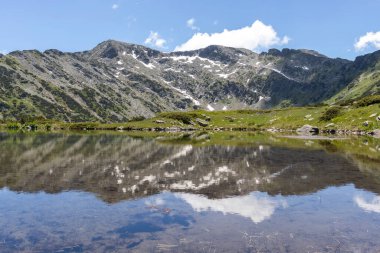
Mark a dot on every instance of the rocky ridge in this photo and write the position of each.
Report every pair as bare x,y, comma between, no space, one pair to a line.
118,81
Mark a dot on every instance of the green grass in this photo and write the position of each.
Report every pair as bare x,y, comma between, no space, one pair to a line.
366,84
348,118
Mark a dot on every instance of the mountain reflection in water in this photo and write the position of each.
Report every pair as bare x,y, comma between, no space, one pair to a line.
201,192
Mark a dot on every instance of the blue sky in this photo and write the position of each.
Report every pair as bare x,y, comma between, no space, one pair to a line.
331,27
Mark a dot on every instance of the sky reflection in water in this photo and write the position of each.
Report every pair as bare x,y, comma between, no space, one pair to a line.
114,193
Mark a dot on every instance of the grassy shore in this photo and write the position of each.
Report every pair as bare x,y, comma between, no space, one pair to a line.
353,118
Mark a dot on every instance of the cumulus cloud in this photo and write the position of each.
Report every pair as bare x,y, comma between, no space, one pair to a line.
367,40
115,6
154,39
191,24
255,37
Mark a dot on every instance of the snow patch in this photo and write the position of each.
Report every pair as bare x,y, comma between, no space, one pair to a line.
191,59
150,65
210,108
134,55
279,72
184,93
225,76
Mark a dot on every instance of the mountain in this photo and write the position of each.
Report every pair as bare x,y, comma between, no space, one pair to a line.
366,83
118,81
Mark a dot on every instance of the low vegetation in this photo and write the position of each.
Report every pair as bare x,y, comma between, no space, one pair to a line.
353,117
366,101
330,113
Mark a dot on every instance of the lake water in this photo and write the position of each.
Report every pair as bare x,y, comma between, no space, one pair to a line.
201,192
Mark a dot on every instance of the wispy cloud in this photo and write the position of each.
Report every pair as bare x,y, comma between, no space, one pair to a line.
154,39
115,6
191,24
255,37
370,39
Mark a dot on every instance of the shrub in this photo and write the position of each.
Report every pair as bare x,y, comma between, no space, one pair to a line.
84,125
366,101
138,118
330,113
13,125
183,117
346,102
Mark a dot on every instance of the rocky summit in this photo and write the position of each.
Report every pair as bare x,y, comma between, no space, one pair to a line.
118,81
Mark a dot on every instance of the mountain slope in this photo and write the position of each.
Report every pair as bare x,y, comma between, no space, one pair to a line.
366,83
118,81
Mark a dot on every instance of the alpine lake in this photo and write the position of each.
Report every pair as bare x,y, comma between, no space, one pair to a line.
188,192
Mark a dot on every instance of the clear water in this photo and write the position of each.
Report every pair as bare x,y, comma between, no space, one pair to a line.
188,193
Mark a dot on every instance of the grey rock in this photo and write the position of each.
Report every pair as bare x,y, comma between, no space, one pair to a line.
308,129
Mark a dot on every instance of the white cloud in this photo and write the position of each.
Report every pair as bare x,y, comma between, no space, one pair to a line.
370,39
369,206
255,207
154,39
255,37
115,6
191,24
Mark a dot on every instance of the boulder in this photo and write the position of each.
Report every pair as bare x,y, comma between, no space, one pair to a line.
308,129
158,121
366,123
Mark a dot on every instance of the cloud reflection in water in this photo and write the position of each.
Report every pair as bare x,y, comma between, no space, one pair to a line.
254,206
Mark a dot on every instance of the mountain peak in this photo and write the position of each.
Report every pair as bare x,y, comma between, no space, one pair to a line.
312,52
223,54
113,48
